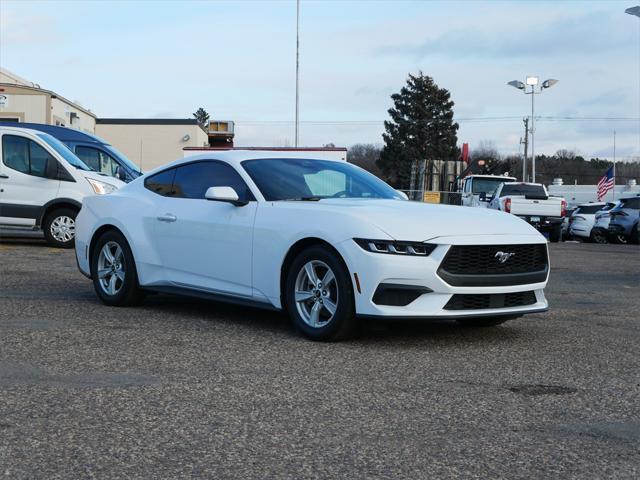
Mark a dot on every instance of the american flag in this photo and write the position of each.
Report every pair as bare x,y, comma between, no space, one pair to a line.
606,183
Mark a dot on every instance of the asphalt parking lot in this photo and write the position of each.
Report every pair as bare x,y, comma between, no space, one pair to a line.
182,388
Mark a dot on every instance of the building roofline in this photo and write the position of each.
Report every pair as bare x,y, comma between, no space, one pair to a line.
147,121
270,149
49,92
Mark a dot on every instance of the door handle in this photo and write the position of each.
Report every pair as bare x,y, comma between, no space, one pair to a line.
167,217
2,175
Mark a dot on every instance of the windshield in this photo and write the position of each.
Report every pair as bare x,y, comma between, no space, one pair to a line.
63,151
486,185
523,189
306,179
123,159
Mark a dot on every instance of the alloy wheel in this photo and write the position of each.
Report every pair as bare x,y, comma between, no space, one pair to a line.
111,268
316,294
63,228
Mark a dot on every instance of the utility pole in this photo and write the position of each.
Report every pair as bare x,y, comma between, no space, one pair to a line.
526,148
297,68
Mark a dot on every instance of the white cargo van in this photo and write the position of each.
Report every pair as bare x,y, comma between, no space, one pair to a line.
42,184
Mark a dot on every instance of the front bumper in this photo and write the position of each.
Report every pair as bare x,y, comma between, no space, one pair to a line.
373,269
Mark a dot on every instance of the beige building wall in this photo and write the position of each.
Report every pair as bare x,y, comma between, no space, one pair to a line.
150,145
61,114
25,104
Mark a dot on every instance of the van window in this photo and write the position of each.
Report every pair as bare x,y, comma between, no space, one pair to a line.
97,160
24,155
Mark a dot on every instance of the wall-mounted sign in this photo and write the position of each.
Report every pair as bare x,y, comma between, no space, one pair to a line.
4,100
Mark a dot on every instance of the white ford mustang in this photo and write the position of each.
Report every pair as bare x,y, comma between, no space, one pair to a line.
323,240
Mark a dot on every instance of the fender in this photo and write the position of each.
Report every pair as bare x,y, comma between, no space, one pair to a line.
51,203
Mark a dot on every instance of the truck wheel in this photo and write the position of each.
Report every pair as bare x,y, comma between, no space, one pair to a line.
59,227
555,234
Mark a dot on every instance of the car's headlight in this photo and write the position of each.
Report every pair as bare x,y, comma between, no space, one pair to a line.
394,247
101,188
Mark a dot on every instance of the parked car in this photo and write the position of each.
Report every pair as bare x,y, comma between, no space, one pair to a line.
532,203
95,152
324,240
600,230
625,218
42,184
583,219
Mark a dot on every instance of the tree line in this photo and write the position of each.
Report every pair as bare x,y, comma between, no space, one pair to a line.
421,127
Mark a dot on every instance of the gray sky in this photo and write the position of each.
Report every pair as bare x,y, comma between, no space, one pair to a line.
237,60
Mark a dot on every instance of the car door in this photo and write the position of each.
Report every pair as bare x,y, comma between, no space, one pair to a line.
24,187
206,244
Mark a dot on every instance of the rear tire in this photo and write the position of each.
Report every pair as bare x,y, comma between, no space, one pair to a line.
483,322
319,296
598,236
113,271
59,227
555,234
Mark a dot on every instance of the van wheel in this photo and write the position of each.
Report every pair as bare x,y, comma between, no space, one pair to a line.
113,271
59,227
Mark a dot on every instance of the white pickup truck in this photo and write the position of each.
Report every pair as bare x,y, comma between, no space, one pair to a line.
478,190
532,203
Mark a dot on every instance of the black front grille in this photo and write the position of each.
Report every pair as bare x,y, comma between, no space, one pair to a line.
479,301
480,265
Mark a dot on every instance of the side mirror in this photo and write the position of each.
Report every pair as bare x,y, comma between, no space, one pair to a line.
402,194
121,174
224,194
483,197
51,168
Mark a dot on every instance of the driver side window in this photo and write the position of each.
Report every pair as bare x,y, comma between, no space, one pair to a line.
25,155
194,179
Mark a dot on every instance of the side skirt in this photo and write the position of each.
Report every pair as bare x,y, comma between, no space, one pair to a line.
216,297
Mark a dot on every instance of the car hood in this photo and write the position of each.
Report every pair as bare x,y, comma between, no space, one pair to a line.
417,221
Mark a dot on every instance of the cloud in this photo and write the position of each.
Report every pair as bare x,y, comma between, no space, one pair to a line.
22,30
585,35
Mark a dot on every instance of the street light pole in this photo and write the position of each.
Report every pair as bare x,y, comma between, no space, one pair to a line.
636,12
297,69
532,81
533,141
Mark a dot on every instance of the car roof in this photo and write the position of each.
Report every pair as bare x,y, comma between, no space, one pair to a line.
235,157
64,134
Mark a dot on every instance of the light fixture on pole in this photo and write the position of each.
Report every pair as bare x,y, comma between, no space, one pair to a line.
532,81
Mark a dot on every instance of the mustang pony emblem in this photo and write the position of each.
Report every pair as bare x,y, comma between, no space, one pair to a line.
503,256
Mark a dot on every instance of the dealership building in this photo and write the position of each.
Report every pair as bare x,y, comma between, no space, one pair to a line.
147,142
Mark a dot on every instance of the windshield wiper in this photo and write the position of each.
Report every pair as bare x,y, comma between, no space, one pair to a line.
303,199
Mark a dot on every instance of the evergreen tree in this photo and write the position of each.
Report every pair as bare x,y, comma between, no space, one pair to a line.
421,128
202,117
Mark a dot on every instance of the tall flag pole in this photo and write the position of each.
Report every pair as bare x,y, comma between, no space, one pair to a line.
614,166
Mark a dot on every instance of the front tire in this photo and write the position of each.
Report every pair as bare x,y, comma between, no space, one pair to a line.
319,295
113,271
59,227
